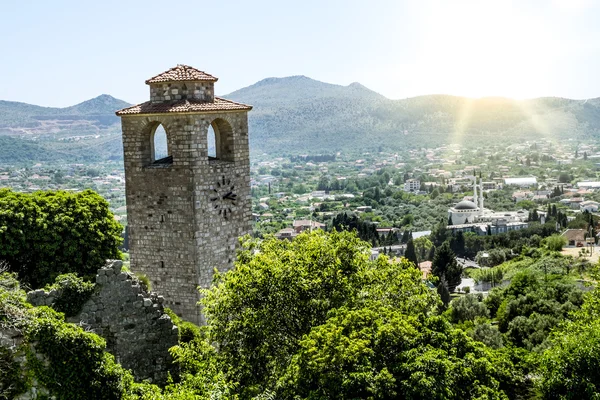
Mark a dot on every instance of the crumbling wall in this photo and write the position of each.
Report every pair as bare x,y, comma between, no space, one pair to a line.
133,322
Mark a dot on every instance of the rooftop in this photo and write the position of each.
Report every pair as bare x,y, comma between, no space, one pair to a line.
465,205
184,106
182,73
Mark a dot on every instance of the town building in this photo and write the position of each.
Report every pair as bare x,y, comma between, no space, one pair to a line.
575,237
473,212
302,225
521,182
412,185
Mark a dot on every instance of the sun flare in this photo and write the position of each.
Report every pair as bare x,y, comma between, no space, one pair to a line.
481,49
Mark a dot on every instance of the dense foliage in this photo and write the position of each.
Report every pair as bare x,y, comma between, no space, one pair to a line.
45,234
69,362
71,293
313,318
570,369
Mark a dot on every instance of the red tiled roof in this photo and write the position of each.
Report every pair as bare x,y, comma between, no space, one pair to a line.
184,106
574,234
182,73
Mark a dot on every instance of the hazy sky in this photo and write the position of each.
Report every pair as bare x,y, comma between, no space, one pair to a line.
58,53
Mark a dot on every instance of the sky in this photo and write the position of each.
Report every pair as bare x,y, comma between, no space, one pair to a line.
59,53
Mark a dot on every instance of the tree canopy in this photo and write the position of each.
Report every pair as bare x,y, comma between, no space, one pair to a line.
444,265
314,318
45,234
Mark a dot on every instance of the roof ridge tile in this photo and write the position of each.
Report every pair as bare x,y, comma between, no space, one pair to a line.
181,73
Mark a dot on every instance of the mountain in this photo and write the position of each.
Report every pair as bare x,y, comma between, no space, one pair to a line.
15,115
87,131
298,114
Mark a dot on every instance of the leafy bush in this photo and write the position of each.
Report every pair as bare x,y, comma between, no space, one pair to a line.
188,331
467,308
68,361
555,242
72,293
570,367
45,234
77,366
144,281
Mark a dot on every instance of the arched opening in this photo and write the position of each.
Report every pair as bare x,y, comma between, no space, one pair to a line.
160,153
211,140
220,140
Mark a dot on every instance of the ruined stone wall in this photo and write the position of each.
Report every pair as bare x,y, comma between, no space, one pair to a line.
137,331
178,235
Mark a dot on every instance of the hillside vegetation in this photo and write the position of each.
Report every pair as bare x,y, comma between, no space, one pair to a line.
298,114
295,115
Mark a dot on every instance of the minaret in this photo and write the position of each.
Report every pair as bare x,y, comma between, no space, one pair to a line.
475,191
480,198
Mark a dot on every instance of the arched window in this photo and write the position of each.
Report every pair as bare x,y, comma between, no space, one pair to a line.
220,140
160,146
211,142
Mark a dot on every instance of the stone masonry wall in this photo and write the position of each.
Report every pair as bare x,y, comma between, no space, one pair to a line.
137,331
178,235
176,91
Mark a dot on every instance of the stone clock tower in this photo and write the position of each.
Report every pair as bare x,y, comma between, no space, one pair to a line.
185,209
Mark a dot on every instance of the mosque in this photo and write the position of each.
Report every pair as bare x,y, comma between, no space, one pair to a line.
472,214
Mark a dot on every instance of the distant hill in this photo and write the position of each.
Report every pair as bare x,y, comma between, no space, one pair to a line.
22,115
88,131
298,114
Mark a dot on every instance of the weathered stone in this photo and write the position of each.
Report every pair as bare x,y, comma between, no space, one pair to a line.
117,312
186,214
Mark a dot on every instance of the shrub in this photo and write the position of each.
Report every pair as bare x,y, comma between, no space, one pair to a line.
45,234
72,293
555,242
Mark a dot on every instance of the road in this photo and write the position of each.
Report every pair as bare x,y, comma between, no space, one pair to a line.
466,263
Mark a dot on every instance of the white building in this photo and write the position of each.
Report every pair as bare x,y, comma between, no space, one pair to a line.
522,182
470,212
589,206
588,185
412,185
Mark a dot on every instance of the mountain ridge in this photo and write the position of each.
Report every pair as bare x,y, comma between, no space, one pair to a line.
298,114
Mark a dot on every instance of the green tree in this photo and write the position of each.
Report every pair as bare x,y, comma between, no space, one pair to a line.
410,253
564,177
570,367
422,246
258,313
444,264
424,359
45,234
555,242
467,308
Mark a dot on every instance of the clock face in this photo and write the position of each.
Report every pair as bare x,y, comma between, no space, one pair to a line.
223,199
